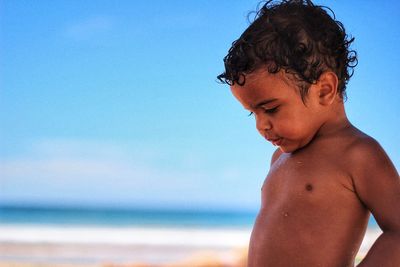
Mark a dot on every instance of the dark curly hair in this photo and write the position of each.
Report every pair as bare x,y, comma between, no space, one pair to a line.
296,36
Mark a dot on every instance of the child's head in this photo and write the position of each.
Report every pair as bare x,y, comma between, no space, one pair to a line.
295,36
292,48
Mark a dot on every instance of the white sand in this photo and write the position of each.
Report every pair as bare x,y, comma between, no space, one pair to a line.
96,245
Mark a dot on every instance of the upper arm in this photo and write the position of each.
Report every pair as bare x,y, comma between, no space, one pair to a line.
376,182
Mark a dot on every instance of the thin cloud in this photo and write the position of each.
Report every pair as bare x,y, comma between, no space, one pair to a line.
90,171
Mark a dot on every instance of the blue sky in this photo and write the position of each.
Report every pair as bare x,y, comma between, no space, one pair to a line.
115,102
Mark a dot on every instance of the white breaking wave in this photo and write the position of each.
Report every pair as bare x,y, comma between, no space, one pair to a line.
145,236
215,237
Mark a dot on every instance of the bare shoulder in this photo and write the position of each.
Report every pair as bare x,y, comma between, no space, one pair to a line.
366,159
363,145
375,179
276,155
364,150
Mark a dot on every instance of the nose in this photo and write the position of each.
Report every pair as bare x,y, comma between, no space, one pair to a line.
263,124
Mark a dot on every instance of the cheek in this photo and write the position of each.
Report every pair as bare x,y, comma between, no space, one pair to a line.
294,126
291,130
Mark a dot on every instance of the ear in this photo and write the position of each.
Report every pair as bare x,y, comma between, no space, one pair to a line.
327,88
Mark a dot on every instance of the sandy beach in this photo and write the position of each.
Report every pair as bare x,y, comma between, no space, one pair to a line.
45,246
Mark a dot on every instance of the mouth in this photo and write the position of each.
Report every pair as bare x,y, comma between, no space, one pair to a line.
275,141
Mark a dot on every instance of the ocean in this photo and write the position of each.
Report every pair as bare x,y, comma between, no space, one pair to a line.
124,217
60,235
50,235
139,217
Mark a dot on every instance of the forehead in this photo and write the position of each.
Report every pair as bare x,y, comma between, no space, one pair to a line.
261,86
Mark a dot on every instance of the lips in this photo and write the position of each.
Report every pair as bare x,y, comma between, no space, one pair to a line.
275,141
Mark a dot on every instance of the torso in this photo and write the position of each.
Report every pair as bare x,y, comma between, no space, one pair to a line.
310,213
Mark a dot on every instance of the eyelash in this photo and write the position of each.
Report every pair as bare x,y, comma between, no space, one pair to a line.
269,111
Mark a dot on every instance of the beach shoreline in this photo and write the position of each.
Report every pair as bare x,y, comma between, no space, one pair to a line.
38,245
100,246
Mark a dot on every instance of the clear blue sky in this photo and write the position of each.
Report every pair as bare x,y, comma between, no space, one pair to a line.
115,102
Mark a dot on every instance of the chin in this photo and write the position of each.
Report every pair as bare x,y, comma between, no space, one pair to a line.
286,150
293,145
289,149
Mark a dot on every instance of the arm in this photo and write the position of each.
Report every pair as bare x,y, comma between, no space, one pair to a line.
377,184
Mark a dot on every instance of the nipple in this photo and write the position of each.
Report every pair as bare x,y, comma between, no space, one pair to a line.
309,187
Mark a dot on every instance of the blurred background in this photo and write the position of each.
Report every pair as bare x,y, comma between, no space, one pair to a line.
115,132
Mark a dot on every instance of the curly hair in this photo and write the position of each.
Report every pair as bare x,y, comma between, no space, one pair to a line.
296,36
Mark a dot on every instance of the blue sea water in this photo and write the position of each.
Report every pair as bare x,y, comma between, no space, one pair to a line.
128,217
125,217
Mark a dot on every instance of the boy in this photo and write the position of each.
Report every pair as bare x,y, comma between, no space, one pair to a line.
290,69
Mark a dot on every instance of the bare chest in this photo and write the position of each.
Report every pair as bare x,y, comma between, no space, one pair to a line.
304,183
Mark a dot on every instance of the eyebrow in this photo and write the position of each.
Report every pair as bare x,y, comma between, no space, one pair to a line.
263,102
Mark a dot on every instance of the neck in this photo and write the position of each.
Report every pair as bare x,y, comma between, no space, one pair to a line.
335,121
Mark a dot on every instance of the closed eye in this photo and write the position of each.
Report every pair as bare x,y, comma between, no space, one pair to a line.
271,110
250,114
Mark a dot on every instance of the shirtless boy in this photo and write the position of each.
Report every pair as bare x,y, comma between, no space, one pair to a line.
290,69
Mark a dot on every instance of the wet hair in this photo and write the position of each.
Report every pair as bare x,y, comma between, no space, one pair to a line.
295,36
